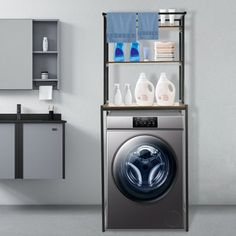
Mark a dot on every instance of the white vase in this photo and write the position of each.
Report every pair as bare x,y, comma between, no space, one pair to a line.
45,44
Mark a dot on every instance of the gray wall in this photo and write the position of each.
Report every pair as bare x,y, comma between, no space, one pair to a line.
210,88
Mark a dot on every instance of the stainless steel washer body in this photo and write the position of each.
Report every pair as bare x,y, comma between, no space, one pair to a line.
144,171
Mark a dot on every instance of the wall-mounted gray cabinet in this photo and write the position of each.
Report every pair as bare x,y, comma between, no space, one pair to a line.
16,54
42,151
7,151
46,61
22,58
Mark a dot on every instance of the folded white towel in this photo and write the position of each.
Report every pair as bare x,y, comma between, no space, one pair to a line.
164,55
164,44
164,59
164,50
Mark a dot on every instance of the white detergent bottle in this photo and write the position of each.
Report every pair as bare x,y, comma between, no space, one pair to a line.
165,91
128,95
117,95
144,91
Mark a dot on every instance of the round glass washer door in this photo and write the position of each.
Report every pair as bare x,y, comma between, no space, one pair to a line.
144,168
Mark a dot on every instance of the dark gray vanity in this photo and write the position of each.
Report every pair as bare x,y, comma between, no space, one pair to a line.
32,146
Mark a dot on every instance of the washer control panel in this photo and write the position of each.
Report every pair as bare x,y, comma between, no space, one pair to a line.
145,122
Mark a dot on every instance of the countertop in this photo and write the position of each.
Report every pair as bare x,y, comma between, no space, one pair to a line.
31,118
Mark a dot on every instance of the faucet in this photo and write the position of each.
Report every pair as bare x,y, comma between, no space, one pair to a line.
18,116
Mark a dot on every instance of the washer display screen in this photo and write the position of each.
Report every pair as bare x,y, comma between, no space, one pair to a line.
144,168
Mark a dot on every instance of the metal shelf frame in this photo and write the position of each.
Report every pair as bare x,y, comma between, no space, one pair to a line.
180,24
182,107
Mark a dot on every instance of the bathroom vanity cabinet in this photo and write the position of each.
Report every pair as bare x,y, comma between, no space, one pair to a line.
7,151
32,148
42,151
22,59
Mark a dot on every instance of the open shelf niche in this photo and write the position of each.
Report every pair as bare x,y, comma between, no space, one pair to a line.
49,60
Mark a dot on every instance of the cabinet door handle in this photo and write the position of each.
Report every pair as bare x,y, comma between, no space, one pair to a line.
54,129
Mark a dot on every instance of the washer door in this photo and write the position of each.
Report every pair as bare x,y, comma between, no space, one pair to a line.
144,168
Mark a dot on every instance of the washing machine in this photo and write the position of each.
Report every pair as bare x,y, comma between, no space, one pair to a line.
144,171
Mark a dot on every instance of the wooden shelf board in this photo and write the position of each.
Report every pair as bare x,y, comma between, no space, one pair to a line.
136,107
169,27
143,62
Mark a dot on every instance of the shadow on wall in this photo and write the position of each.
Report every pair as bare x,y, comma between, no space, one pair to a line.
193,115
82,178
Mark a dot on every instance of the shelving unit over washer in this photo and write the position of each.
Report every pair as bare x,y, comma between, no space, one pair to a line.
180,107
179,25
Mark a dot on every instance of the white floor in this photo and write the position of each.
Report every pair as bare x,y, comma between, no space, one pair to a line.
86,221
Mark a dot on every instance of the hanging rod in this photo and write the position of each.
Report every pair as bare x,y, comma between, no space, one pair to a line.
160,13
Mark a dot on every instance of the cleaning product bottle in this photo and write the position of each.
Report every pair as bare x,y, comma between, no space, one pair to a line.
117,95
119,52
134,52
144,91
165,91
128,95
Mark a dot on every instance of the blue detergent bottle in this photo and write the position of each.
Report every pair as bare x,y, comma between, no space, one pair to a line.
119,52
134,52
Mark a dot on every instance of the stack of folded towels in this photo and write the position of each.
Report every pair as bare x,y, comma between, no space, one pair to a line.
164,51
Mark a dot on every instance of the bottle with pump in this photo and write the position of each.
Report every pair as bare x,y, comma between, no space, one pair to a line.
165,91
144,91
117,95
128,95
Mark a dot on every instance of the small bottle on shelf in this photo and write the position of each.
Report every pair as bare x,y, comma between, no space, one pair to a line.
117,95
44,75
51,112
171,17
128,95
163,16
119,52
145,53
134,52
45,44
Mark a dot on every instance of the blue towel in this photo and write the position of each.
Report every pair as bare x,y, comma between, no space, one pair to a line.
148,25
121,27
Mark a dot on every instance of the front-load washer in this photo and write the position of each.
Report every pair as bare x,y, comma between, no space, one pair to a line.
144,170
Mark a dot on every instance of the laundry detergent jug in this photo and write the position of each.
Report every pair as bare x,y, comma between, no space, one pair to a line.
144,91
165,91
